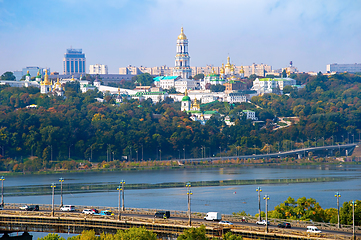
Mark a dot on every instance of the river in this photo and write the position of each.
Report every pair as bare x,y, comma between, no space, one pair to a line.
224,199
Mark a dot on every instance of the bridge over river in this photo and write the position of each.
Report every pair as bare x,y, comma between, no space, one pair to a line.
343,150
12,220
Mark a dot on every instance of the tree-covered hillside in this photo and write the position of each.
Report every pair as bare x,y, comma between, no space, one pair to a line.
327,109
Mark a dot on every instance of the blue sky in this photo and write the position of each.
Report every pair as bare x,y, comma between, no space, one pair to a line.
143,32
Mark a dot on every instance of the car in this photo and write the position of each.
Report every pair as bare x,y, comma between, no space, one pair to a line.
105,213
313,229
225,223
67,208
30,208
263,222
284,225
88,211
162,214
33,208
25,207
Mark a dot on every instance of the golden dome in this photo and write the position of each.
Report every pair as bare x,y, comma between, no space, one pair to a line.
46,79
182,36
242,70
228,65
222,69
58,84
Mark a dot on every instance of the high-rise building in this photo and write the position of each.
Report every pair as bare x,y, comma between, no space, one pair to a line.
182,57
74,61
98,69
351,68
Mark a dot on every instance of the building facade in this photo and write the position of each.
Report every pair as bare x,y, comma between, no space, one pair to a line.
74,62
351,68
182,58
98,69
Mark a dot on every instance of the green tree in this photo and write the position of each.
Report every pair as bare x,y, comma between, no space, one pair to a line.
231,236
217,88
134,233
198,76
145,79
86,235
9,76
52,236
346,213
194,234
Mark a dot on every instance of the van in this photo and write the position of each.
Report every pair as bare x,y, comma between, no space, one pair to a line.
162,214
213,216
313,229
67,208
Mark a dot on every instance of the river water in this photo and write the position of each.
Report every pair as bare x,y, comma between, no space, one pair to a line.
223,199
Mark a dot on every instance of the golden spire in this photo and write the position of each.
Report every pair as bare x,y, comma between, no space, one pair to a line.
72,78
186,93
182,36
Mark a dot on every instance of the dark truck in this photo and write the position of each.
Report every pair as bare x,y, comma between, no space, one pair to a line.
162,214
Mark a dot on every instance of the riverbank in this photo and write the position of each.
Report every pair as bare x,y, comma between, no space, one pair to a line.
121,166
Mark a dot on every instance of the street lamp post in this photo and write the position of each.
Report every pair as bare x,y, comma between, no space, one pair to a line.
353,204
2,190
259,190
122,182
119,214
220,152
52,199
69,149
266,197
61,180
189,193
338,195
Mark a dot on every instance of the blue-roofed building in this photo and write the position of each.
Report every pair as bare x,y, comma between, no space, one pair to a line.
165,82
74,62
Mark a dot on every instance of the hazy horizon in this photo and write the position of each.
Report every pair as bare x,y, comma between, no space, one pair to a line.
119,33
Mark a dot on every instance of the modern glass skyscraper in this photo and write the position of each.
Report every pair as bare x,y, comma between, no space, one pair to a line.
74,61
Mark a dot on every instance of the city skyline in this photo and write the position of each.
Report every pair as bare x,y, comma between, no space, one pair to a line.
144,33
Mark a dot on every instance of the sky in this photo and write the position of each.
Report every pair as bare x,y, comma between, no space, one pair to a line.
118,33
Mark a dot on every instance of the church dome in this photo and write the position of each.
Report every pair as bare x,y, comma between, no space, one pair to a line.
186,98
182,36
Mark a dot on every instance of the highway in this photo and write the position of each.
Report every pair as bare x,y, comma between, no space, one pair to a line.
148,216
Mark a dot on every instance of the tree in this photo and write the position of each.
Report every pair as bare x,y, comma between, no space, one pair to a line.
217,88
194,234
85,235
198,76
145,79
284,73
52,236
9,76
231,236
140,233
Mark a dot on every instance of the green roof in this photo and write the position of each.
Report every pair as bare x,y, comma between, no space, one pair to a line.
273,79
186,98
210,112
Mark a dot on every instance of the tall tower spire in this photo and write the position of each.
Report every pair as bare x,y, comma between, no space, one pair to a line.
182,58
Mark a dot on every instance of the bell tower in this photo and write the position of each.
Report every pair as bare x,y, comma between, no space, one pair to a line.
182,58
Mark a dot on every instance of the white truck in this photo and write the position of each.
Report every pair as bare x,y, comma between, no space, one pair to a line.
213,216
